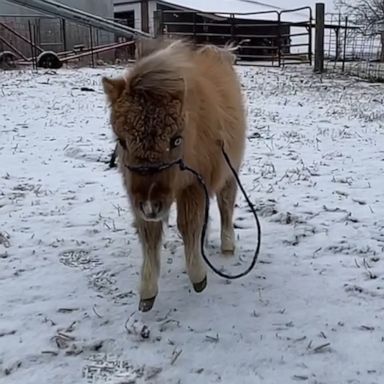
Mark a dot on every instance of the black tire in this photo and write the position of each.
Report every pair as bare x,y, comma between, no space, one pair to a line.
49,59
7,60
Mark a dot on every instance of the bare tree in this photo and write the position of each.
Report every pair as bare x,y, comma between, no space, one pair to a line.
369,14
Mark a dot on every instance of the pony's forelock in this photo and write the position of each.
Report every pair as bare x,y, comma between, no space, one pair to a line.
162,72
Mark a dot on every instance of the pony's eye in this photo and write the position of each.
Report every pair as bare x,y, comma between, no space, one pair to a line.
176,141
122,143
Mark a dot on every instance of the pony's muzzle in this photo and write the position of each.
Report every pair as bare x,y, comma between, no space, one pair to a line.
152,210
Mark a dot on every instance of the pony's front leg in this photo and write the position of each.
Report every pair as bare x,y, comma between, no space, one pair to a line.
150,234
226,200
190,218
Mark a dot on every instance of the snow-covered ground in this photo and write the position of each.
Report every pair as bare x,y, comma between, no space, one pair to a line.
312,311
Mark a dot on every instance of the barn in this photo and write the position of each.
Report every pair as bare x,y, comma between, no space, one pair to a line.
265,31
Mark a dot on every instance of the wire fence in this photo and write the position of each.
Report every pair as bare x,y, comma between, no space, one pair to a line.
349,49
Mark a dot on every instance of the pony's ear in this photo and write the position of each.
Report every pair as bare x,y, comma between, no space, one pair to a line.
113,88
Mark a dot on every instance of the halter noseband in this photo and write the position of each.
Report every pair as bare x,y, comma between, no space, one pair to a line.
155,168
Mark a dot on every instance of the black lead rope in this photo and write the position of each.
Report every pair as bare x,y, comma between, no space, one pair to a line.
160,167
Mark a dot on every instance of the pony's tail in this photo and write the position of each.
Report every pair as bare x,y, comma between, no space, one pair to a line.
223,53
232,46
226,53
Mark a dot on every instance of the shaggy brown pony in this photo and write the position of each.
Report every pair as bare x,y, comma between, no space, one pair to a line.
178,102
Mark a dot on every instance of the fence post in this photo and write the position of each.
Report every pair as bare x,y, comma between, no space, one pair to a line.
91,43
156,23
310,42
144,15
64,32
279,39
232,27
31,45
337,34
319,38
345,44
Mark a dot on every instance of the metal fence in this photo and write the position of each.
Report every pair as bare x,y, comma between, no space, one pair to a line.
272,38
351,50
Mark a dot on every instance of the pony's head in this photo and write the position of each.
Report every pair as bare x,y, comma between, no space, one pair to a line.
148,118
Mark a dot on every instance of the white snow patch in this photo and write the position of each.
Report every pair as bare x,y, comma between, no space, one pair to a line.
312,311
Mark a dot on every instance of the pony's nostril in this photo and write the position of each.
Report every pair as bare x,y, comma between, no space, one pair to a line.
156,205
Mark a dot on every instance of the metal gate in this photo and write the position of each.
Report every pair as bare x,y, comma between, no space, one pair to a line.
271,38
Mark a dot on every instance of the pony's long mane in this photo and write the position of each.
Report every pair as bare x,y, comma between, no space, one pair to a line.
163,64
162,69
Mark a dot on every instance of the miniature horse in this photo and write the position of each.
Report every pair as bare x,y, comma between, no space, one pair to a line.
178,102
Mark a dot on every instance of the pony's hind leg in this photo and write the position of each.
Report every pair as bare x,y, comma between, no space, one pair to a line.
150,234
190,219
226,201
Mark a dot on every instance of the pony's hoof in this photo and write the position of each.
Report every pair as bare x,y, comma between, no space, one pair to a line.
199,287
228,243
229,251
146,305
